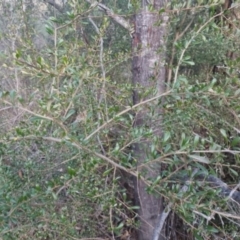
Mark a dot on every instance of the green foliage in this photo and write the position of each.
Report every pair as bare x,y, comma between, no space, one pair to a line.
51,188
67,129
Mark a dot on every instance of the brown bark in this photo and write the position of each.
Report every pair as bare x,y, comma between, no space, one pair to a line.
148,75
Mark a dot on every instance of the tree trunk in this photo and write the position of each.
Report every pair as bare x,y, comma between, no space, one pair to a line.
148,75
148,45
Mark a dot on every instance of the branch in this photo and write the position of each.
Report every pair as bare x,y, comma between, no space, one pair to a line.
216,183
189,43
118,19
226,191
160,221
163,216
128,109
102,93
55,5
103,90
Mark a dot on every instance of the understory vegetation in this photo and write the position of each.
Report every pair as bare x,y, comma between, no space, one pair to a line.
67,129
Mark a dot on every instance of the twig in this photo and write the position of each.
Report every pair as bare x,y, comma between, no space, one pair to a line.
38,115
102,93
177,37
111,209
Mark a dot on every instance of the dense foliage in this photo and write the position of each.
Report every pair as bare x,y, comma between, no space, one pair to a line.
66,121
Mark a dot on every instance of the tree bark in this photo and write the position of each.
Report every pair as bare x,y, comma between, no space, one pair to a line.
148,70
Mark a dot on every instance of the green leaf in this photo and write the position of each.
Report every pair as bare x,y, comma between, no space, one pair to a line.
60,42
157,180
54,195
162,10
19,132
36,118
71,15
212,229
49,29
53,19
237,92
72,172
213,82
204,38
69,114
12,94
224,133
134,207
167,148
117,147
29,59
107,172
200,159
191,63
120,226
166,137
40,61
234,172
235,142
196,140
18,54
